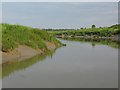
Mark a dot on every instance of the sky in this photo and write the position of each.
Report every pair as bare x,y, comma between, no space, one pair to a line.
60,14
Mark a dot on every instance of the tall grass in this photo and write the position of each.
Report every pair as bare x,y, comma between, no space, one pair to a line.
15,35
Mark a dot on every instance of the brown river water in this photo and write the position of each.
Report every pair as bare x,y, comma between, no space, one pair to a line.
80,64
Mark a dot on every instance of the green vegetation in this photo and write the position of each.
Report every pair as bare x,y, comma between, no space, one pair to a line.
95,32
93,26
15,35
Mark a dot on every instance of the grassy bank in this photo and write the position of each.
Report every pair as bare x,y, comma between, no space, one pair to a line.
95,32
15,35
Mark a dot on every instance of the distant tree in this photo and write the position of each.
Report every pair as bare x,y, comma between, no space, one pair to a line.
85,28
93,26
81,27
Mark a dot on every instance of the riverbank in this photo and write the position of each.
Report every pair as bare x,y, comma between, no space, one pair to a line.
24,52
22,42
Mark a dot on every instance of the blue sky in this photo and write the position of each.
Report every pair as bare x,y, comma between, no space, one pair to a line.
60,15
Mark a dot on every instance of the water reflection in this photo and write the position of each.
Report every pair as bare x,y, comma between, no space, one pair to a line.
10,67
78,65
109,42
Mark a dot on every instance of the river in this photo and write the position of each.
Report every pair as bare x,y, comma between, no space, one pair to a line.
77,65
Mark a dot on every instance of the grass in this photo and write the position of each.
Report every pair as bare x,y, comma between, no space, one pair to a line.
15,35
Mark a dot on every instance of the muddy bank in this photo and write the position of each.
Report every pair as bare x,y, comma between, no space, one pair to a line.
24,52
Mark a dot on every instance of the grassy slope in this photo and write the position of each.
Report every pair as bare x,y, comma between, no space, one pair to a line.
15,35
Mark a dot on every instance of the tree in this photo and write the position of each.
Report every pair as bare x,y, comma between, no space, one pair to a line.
81,27
93,26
